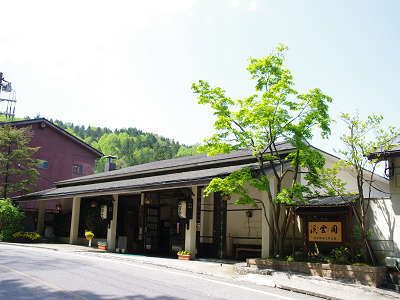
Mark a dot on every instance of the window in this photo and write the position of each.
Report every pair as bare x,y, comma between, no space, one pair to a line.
77,169
43,164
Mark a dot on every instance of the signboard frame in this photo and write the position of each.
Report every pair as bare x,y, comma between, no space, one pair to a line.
325,231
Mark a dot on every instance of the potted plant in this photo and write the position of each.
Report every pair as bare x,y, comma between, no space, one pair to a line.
185,254
89,236
102,245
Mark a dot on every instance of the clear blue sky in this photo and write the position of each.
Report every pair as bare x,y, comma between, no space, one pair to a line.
131,63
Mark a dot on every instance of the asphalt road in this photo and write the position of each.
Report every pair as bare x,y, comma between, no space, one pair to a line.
30,273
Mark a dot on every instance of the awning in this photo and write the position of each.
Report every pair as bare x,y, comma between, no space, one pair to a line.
136,185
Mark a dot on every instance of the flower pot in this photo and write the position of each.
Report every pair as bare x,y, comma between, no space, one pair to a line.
184,257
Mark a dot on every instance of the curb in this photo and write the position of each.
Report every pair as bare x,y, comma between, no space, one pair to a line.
305,292
172,267
242,269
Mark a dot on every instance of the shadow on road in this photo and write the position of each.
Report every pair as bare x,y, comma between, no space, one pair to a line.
18,289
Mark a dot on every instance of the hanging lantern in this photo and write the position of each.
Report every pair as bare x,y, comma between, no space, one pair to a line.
93,204
58,207
226,197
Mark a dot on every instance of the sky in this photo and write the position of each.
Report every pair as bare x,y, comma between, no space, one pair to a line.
131,63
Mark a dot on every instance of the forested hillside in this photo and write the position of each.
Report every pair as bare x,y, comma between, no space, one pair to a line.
130,145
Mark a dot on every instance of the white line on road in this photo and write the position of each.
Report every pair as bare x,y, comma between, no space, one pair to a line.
202,278
75,296
158,268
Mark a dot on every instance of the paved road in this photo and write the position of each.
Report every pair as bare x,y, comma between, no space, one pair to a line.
30,273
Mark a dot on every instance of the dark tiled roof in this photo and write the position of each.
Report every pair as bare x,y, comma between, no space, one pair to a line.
59,130
137,184
328,201
395,151
182,163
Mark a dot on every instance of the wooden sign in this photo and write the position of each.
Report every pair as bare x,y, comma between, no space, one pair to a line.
325,232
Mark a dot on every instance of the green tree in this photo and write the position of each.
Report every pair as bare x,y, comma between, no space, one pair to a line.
275,113
18,168
187,151
361,140
10,219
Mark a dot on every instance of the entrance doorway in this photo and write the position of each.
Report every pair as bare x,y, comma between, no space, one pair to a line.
128,225
152,226
213,220
164,231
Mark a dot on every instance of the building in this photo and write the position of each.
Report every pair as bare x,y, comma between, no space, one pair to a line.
389,218
145,206
62,156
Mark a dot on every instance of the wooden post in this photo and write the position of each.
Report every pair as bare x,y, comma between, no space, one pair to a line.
76,207
305,237
293,232
190,233
112,229
351,231
41,217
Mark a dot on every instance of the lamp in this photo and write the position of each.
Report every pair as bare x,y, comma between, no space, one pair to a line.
58,207
93,204
226,197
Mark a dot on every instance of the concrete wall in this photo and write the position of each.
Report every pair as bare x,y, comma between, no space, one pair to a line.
395,197
348,175
242,229
381,218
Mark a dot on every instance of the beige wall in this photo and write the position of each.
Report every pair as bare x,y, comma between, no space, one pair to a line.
349,177
383,220
240,228
395,197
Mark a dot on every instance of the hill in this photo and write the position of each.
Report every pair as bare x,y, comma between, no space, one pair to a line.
132,146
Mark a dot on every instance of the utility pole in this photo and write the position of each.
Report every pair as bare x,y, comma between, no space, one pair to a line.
9,99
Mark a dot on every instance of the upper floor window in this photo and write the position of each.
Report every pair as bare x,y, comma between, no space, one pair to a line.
77,169
43,164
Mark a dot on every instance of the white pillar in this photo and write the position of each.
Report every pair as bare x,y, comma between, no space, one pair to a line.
190,234
76,208
41,215
266,238
112,229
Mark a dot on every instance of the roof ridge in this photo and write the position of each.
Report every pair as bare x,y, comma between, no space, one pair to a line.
61,130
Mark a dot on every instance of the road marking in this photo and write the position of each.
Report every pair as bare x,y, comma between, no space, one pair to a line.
160,268
75,296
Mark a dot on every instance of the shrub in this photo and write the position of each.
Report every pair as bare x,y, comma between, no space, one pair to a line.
341,255
29,236
10,219
185,252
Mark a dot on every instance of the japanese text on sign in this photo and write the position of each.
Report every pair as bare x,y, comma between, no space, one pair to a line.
325,231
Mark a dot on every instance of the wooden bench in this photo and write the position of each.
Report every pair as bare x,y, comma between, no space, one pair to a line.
247,249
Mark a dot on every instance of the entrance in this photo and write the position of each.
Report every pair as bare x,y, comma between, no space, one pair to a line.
164,231
128,225
219,228
213,219
151,226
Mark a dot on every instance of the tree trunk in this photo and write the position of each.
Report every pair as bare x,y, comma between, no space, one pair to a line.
7,170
